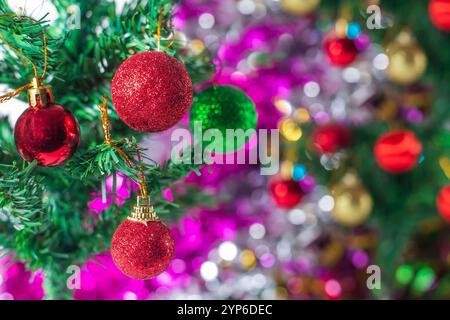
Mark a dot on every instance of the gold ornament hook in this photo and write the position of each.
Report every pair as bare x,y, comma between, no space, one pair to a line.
143,211
107,133
158,33
38,94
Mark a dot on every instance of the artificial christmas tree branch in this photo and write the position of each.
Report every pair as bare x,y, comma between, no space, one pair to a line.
21,198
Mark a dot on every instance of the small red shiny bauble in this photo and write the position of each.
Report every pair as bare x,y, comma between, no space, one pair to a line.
286,193
439,11
443,202
151,91
331,137
340,51
142,250
46,133
397,151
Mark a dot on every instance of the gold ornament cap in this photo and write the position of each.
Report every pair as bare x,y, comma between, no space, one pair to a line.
38,94
143,211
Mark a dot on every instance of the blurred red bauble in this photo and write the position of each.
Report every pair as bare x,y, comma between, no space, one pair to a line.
142,250
443,202
397,151
340,51
331,137
46,132
439,11
286,193
151,91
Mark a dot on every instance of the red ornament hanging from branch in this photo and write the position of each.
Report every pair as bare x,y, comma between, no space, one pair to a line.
152,91
46,132
142,246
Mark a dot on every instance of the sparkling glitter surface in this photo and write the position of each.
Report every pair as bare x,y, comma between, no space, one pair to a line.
224,107
151,91
142,250
48,134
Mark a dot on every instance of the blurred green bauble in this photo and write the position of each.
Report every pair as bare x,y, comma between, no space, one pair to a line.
222,108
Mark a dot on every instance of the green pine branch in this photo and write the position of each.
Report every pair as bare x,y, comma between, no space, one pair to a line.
22,201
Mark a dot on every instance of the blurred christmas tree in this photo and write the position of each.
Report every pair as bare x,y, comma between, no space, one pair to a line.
355,89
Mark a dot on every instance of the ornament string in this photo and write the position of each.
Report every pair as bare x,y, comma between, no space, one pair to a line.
107,133
33,65
12,94
44,40
158,33
17,91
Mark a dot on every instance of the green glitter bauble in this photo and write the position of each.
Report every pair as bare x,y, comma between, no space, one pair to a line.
222,108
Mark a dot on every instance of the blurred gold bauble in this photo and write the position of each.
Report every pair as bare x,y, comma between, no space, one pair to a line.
407,61
248,259
352,202
197,46
290,130
299,7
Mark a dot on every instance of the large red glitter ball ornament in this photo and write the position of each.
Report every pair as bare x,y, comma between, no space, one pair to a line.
397,151
47,133
331,137
151,91
443,202
286,193
340,51
439,11
142,250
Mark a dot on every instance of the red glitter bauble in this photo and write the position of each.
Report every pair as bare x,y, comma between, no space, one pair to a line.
151,91
286,193
331,137
439,11
340,51
48,134
142,250
397,151
443,202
